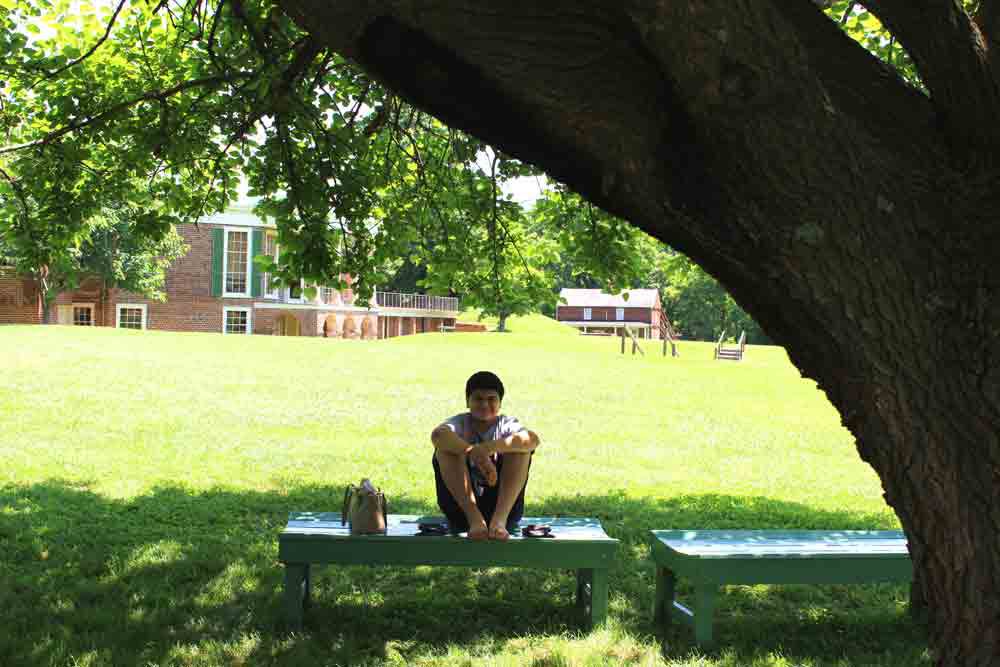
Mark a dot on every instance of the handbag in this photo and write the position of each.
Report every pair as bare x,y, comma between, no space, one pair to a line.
365,509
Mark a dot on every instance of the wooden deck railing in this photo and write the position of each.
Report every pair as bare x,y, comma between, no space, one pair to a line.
331,296
416,301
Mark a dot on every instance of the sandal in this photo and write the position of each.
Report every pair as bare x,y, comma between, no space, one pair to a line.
432,529
536,530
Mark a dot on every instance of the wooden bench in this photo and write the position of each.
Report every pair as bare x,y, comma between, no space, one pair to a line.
445,327
712,558
318,538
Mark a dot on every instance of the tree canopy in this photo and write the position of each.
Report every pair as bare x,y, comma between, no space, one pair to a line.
167,107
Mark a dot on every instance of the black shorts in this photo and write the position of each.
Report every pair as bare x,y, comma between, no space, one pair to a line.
486,500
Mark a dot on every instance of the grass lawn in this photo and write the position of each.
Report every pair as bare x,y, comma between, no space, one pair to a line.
146,476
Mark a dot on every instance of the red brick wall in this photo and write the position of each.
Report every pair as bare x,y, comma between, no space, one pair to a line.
19,299
602,314
190,305
88,292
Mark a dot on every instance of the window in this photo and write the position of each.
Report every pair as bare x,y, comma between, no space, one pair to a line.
271,250
131,316
236,321
83,314
619,314
588,313
237,263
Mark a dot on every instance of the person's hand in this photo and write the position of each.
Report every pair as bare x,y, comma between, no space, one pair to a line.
480,457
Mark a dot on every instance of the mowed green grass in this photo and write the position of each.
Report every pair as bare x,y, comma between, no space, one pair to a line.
145,477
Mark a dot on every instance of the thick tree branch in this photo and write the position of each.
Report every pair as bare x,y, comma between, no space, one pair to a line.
951,56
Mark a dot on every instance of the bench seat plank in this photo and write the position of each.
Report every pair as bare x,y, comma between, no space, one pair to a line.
784,543
319,538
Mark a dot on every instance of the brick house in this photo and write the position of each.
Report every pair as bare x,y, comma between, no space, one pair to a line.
593,311
216,287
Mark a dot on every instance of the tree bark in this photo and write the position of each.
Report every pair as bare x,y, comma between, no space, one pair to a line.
841,208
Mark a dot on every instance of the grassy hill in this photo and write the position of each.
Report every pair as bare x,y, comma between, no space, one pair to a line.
146,475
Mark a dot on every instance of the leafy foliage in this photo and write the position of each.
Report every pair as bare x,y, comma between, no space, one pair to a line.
182,99
126,257
866,29
163,108
597,250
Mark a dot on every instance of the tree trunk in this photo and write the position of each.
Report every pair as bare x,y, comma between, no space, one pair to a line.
502,323
837,205
42,304
46,295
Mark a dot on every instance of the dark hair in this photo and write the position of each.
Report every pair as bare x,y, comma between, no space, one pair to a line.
483,380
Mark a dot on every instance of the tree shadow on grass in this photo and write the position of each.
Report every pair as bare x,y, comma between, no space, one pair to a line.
183,576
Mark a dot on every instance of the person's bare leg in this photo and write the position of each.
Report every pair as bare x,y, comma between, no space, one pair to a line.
455,473
513,476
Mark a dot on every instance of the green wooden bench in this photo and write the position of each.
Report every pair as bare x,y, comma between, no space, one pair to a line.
312,538
712,558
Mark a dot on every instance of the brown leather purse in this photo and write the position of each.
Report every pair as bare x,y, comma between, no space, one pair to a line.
365,509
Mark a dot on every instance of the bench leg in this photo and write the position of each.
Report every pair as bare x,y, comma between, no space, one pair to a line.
583,590
307,589
666,584
296,593
704,607
598,597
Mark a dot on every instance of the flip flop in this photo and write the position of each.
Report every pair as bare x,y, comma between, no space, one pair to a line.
536,530
432,529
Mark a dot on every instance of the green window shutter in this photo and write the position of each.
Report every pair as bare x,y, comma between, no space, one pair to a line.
256,249
217,246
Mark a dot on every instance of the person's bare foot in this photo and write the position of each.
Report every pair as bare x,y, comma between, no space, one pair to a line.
479,531
498,531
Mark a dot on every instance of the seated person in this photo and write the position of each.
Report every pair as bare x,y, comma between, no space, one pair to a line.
481,462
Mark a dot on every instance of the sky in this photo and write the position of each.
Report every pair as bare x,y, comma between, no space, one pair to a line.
526,189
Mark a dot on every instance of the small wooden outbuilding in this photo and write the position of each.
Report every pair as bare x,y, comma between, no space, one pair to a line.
594,311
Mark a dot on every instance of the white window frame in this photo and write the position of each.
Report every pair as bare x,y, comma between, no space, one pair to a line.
619,314
225,316
118,313
588,313
93,315
295,299
267,291
225,261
